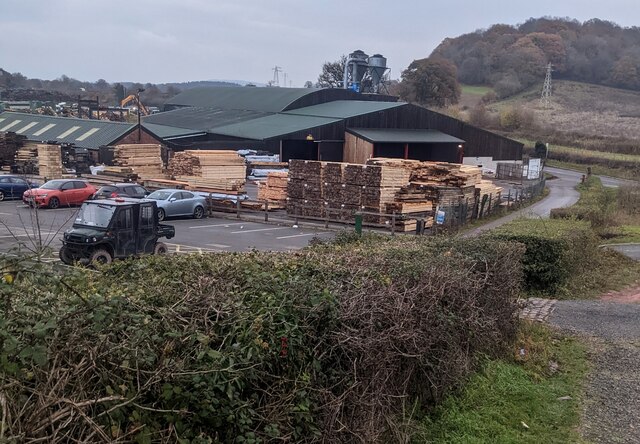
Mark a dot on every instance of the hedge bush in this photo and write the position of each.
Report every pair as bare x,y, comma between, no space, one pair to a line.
555,249
330,343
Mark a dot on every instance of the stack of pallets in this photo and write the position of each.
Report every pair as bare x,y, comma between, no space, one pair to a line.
144,159
49,161
213,171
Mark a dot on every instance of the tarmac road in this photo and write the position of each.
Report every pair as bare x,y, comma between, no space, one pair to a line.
18,222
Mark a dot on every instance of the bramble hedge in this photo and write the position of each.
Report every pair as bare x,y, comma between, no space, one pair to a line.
330,343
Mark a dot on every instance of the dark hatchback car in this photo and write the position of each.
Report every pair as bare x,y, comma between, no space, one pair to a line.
131,190
12,187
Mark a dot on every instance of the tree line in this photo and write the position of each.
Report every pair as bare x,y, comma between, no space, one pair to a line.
513,58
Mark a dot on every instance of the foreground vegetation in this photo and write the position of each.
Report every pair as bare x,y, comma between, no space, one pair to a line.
533,397
335,342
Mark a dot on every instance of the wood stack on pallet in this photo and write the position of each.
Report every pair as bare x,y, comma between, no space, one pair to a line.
49,161
274,189
493,193
213,171
144,159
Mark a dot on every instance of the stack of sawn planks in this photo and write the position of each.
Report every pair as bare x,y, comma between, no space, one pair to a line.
10,143
49,161
145,160
408,188
213,171
274,189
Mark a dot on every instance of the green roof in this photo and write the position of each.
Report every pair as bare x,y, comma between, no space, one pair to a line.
202,118
344,109
83,133
171,132
272,126
250,98
392,135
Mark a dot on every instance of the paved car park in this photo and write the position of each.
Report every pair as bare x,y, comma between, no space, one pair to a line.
18,225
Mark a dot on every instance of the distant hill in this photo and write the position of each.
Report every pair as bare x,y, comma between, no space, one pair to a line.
513,58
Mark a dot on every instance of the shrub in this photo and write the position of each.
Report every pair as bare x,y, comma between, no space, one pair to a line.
329,343
555,249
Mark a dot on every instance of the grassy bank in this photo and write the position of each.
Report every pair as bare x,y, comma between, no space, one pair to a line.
599,170
521,400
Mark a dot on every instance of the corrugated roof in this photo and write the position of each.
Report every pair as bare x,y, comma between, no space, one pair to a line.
84,133
275,125
171,132
344,109
202,118
248,98
392,135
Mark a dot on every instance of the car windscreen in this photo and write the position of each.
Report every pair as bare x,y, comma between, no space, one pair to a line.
53,185
93,215
159,195
107,189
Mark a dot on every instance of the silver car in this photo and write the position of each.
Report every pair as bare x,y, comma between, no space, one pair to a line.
173,202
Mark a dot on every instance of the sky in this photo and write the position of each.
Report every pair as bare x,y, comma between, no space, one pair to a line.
160,41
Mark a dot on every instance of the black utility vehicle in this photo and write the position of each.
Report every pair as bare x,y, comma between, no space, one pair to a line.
114,229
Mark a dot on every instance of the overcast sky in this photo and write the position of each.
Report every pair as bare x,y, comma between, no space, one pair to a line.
181,40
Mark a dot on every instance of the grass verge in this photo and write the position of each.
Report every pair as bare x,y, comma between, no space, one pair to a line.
507,394
599,170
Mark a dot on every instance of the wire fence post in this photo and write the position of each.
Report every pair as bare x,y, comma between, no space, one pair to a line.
266,211
393,223
238,207
358,223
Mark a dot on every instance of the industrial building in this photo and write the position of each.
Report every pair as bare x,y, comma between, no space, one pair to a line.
323,124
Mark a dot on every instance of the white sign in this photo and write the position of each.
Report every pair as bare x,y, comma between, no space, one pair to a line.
535,169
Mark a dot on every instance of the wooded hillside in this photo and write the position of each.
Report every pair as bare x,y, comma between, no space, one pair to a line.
512,58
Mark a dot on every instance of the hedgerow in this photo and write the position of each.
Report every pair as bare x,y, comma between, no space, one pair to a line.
330,343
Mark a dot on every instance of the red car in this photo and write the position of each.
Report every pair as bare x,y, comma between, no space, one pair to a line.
59,192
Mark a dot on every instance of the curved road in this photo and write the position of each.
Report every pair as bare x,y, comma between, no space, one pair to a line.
562,193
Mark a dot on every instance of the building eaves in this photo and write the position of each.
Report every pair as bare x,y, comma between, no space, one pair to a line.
392,135
344,109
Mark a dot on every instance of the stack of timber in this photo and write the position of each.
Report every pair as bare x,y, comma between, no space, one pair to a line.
493,193
49,161
112,174
10,143
26,159
274,189
144,159
212,171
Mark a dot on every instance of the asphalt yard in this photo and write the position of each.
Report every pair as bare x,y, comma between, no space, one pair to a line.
18,230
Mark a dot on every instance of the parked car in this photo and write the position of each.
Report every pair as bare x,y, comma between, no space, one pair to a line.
12,187
173,202
59,192
131,190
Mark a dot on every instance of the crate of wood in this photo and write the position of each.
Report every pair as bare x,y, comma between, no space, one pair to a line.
144,159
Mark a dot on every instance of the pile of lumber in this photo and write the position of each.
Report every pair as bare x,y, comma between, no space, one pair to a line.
408,189
10,143
213,171
49,161
145,160
274,189
26,159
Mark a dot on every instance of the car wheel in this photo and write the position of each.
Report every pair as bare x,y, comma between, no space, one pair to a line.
161,248
198,213
101,256
65,256
54,203
1,196
161,214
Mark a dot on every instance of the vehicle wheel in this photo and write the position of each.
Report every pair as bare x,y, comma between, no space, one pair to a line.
65,256
198,213
54,203
161,214
101,256
161,248
1,196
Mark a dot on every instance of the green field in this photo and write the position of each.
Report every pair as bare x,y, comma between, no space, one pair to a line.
581,152
475,90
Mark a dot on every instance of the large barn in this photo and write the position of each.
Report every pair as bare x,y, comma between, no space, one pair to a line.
323,124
